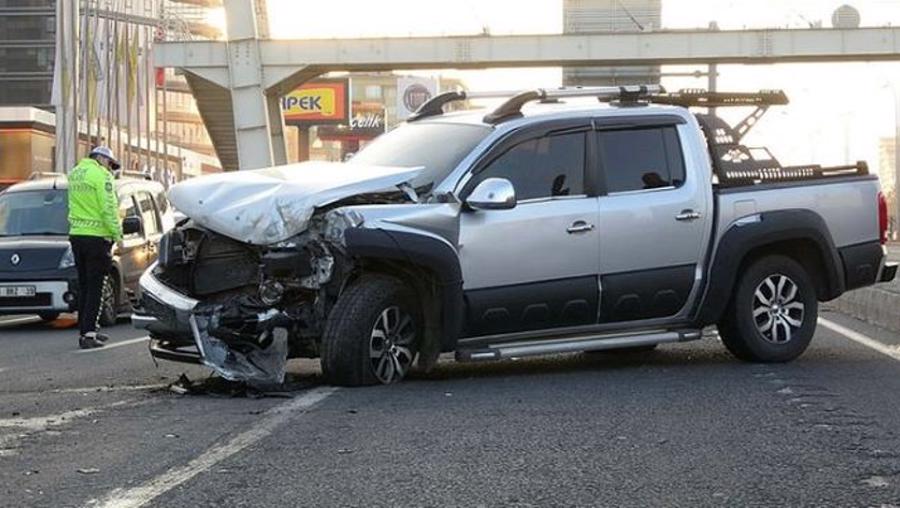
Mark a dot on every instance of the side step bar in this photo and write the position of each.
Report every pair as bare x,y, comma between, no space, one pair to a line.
591,342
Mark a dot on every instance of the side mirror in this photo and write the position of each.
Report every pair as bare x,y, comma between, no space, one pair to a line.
132,225
493,194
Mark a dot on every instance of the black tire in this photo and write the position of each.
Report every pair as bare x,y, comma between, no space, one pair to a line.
48,316
352,336
777,324
109,303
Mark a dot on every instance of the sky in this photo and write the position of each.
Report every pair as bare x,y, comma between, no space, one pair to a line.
837,113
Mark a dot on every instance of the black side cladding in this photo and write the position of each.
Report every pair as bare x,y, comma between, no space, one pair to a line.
861,263
771,228
424,251
532,306
646,294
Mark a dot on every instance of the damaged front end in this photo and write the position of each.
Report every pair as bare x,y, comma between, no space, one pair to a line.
243,309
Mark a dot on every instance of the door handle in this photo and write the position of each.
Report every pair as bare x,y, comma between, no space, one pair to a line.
579,227
688,215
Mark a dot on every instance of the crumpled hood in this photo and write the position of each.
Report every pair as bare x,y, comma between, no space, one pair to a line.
266,206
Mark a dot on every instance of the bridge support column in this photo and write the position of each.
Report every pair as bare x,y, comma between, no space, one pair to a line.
258,124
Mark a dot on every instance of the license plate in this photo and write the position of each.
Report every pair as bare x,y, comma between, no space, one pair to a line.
17,291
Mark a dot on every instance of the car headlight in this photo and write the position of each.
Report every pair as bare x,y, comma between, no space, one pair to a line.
68,259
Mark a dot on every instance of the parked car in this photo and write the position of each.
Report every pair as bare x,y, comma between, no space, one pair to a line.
37,268
539,227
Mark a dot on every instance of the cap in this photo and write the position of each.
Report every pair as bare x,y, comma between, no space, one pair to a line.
106,152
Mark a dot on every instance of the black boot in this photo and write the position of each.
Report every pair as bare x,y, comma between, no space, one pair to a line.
89,342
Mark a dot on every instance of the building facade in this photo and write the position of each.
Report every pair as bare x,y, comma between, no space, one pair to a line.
147,116
592,16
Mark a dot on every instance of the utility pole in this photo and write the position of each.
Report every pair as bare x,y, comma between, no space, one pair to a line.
65,85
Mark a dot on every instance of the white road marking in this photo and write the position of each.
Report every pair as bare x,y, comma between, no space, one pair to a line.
42,423
113,345
272,419
104,389
18,321
892,351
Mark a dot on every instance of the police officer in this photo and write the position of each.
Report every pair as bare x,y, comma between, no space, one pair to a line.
93,228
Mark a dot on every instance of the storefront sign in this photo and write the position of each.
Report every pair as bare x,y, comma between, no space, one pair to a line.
317,102
366,122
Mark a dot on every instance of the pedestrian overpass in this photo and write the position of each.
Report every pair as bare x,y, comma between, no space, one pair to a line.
238,83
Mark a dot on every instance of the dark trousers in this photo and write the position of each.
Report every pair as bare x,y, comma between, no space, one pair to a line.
93,260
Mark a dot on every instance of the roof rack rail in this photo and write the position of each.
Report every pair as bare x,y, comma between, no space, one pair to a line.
435,105
629,93
517,98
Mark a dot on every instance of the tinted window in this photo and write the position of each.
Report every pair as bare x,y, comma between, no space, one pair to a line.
162,202
127,208
34,213
148,214
543,167
641,159
439,147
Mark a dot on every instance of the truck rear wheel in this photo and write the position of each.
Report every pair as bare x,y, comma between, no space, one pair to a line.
372,335
772,316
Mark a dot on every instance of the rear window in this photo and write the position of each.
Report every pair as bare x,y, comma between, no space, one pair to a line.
641,159
40,212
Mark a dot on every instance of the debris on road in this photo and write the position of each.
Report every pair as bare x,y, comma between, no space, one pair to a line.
89,470
216,386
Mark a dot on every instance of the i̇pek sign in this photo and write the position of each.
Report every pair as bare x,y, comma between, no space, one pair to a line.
319,102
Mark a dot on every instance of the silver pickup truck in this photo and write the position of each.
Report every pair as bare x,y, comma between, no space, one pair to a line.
542,226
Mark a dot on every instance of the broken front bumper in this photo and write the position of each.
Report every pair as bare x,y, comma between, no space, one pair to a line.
180,326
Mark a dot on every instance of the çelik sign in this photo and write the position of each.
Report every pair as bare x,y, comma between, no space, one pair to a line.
412,93
366,122
319,102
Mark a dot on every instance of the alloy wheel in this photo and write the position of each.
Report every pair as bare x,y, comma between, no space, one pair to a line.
777,311
391,345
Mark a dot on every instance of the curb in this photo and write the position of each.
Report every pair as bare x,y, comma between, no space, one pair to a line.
876,306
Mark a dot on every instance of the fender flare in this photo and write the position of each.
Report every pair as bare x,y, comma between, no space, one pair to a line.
421,250
745,236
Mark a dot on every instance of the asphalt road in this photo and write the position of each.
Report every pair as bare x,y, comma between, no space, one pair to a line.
684,426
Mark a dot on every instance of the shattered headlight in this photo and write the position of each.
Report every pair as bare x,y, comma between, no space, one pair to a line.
338,221
68,259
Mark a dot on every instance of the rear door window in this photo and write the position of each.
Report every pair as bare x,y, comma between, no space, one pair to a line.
128,208
161,202
641,159
148,214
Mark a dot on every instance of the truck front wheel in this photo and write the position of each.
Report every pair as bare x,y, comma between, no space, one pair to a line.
772,315
372,334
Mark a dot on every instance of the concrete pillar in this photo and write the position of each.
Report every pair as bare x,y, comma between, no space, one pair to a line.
302,144
259,129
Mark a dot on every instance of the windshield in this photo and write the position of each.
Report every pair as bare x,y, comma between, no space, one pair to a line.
43,212
439,147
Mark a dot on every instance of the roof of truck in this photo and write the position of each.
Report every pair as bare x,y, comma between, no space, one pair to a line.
554,110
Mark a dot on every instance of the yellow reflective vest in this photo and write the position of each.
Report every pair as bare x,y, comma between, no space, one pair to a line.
93,204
